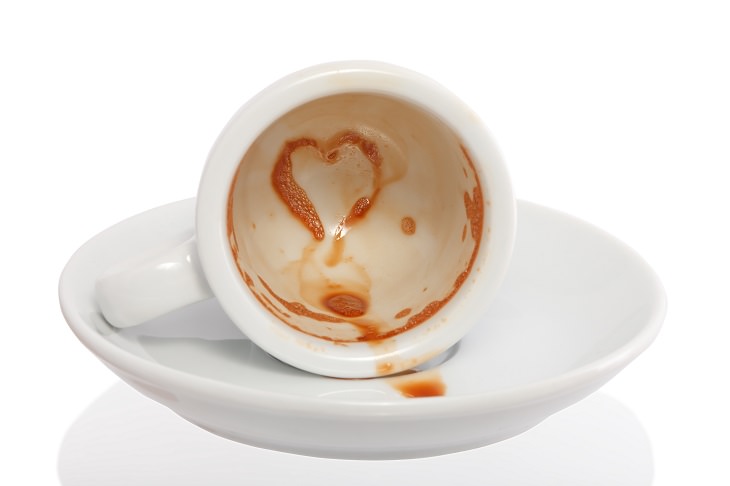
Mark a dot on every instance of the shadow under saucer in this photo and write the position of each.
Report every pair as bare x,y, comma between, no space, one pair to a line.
124,438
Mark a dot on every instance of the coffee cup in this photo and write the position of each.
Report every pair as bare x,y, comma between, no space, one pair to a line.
354,219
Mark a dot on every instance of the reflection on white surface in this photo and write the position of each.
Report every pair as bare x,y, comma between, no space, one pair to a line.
123,438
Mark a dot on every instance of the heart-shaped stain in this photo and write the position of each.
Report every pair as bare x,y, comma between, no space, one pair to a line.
330,153
320,162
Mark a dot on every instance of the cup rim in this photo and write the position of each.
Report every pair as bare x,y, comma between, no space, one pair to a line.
356,360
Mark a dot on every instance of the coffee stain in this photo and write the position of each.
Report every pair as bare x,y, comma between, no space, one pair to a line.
346,304
297,199
298,308
403,313
419,385
349,307
262,299
408,225
334,257
474,208
292,193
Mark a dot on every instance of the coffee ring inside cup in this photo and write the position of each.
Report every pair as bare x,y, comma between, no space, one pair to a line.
356,217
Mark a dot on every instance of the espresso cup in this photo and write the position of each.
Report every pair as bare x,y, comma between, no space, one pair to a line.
354,219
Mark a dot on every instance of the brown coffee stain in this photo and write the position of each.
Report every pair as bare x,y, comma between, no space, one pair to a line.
300,309
262,299
298,201
230,228
420,385
403,313
474,208
348,307
336,253
474,205
358,210
408,225
474,212
346,304
296,198
271,305
291,192
370,332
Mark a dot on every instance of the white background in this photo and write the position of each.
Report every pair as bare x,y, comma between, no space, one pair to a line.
617,112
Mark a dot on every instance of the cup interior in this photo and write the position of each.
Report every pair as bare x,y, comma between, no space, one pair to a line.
356,217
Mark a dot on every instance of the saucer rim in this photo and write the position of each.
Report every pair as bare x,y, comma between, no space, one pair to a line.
583,377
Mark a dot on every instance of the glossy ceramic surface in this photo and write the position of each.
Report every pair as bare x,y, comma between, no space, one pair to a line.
292,264
576,307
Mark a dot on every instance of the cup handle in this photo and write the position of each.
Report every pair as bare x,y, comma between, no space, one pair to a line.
134,292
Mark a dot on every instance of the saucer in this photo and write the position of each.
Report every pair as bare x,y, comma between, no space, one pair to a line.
576,307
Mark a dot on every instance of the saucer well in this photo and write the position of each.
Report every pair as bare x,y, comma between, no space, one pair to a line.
576,307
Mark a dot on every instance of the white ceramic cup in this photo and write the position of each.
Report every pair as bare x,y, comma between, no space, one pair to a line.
354,219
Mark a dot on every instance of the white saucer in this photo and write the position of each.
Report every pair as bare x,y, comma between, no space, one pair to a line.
576,307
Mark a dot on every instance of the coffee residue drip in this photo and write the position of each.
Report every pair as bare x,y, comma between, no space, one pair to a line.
419,384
